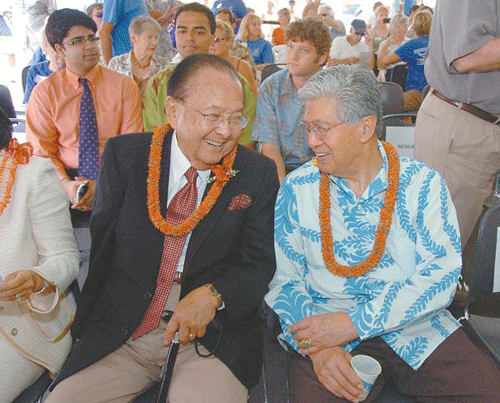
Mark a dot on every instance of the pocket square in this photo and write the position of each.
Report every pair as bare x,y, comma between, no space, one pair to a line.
240,202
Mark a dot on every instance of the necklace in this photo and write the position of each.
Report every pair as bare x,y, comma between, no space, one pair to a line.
383,228
223,172
15,155
137,62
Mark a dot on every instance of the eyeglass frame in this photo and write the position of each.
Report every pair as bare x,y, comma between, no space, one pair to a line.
218,40
220,119
319,132
80,40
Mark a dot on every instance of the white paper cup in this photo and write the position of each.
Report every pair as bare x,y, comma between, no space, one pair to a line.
367,369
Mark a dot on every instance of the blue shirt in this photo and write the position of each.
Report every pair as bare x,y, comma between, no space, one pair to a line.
237,7
413,54
120,13
38,56
261,50
279,110
36,73
403,298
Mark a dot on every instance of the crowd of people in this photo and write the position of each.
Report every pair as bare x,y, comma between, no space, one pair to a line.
192,186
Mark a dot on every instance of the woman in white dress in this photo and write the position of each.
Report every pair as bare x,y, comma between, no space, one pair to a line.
38,261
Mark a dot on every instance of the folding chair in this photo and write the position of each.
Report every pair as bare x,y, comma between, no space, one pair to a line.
271,69
276,380
392,98
482,309
399,130
24,76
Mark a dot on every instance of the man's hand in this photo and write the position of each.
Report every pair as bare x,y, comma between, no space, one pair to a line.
85,203
333,369
192,315
324,331
71,187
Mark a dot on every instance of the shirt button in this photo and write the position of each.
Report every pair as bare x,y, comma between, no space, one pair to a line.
147,295
13,332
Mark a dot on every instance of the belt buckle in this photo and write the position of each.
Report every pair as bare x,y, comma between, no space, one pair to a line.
178,277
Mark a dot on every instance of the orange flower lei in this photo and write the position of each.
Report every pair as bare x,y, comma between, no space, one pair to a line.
383,227
14,155
222,172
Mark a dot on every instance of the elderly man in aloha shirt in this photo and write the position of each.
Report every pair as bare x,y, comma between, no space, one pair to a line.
391,222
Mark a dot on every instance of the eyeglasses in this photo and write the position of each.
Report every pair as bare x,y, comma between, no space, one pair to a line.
81,40
217,40
236,122
319,131
324,15
99,15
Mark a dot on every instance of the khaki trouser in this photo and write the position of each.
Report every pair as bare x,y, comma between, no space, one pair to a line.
464,149
134,367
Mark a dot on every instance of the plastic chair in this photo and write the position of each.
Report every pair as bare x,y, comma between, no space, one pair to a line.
482,309
279,52
392,98
268,70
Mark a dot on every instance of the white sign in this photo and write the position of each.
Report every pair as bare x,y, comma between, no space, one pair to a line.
402,138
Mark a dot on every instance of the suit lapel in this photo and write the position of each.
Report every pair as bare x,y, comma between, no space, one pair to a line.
206,226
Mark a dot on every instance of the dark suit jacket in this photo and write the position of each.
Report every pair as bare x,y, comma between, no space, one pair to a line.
233,250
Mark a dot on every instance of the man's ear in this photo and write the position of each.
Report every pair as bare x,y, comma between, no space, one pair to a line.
171,111
323,59
59,49
368,127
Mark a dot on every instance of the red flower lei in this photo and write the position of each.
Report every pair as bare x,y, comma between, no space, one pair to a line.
222,172
382,230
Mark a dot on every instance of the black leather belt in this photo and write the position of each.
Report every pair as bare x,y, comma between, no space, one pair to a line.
473,110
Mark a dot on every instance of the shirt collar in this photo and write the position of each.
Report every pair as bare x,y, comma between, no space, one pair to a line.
288,87
92,76
378,185
179,164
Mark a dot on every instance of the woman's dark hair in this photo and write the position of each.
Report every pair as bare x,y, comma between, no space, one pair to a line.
61,21
5,130
197,8
178,83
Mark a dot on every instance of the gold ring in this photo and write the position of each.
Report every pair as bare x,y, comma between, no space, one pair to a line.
18,297
191,336
306,343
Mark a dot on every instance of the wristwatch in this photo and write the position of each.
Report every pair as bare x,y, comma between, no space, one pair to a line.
212,290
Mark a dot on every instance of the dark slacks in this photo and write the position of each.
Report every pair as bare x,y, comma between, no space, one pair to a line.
457,371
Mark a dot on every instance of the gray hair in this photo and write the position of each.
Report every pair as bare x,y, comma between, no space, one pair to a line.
139,24
328,9
396,21
353,87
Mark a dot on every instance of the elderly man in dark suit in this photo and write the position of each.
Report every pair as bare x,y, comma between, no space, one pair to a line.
178,211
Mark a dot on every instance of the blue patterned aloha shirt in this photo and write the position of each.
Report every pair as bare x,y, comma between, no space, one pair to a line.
403,298
279,110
